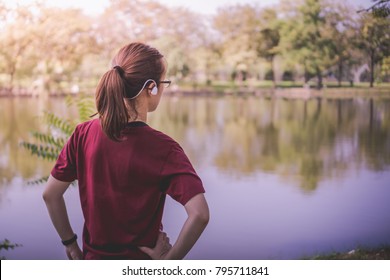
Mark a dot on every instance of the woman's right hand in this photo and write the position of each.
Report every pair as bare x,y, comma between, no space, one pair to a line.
74,252
161,248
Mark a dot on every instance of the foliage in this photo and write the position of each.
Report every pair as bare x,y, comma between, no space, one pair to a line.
47,145
42,51
380,8
237,27
307,35
16,37
6,245
374,41
151,21
41,42
267,42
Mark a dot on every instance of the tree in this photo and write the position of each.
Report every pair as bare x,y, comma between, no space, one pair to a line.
374,41
305,38
237,26
16,38
41,43
268,38
380,8
182,35
61,45
176,32
342,28
125,21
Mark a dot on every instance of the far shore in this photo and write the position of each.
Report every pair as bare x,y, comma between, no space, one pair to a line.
263,92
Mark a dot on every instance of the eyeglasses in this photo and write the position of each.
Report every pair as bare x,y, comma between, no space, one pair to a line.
166,83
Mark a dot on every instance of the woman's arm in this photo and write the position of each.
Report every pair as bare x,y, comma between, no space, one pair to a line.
198,218
53,197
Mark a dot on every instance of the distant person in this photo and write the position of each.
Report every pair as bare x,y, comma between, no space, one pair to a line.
125,168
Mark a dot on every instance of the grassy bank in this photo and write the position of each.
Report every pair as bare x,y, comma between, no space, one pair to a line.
288,90
285,89
380,253
221,86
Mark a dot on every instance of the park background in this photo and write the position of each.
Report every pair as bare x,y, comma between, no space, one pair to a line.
282,106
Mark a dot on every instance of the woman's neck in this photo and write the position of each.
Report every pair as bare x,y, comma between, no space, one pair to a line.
142,111
142,117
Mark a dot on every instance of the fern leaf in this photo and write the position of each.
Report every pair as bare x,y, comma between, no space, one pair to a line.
54,121
6,244
38,181
86,108
45,152
49,139
48,146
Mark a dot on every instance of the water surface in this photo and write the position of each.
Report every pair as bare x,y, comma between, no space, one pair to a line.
284,179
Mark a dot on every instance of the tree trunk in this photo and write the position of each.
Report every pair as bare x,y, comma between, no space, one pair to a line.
340,76
319,78
372,65
307,75
11,82
273,72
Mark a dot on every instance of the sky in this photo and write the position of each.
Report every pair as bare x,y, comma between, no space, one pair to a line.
199,6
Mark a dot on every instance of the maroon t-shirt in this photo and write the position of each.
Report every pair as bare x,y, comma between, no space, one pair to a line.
123,185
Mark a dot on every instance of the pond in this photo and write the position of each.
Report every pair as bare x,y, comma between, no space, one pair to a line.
284,179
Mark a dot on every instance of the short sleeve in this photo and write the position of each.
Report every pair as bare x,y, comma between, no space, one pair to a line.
65,168
181,181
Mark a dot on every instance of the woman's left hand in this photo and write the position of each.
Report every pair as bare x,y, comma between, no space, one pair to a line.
160,249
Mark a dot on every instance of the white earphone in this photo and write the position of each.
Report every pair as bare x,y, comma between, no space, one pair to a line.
153,91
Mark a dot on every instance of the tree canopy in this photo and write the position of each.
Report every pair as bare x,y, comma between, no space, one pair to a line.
309,41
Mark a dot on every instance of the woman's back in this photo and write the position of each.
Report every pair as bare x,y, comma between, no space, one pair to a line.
123,185
125,169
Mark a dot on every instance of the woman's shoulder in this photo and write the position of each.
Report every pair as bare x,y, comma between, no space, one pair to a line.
161,136
89,122
85,126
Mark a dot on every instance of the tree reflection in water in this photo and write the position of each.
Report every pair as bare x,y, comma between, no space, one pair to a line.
301,140
245,149
304,141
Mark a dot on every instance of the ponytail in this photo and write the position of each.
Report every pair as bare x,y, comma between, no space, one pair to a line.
134,64
110,104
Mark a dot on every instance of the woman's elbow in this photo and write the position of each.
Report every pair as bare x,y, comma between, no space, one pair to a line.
206,216
46,196
49,196
203,217
198,209
54,190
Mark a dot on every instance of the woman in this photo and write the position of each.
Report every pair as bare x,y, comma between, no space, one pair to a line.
125,168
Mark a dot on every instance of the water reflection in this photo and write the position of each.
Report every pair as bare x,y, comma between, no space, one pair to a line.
18,119
315,160
304,141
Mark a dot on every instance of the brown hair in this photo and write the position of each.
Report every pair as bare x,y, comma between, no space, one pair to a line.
137,63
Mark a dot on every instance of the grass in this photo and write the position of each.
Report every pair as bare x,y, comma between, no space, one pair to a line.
380,253
286,90
223,85
289,89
